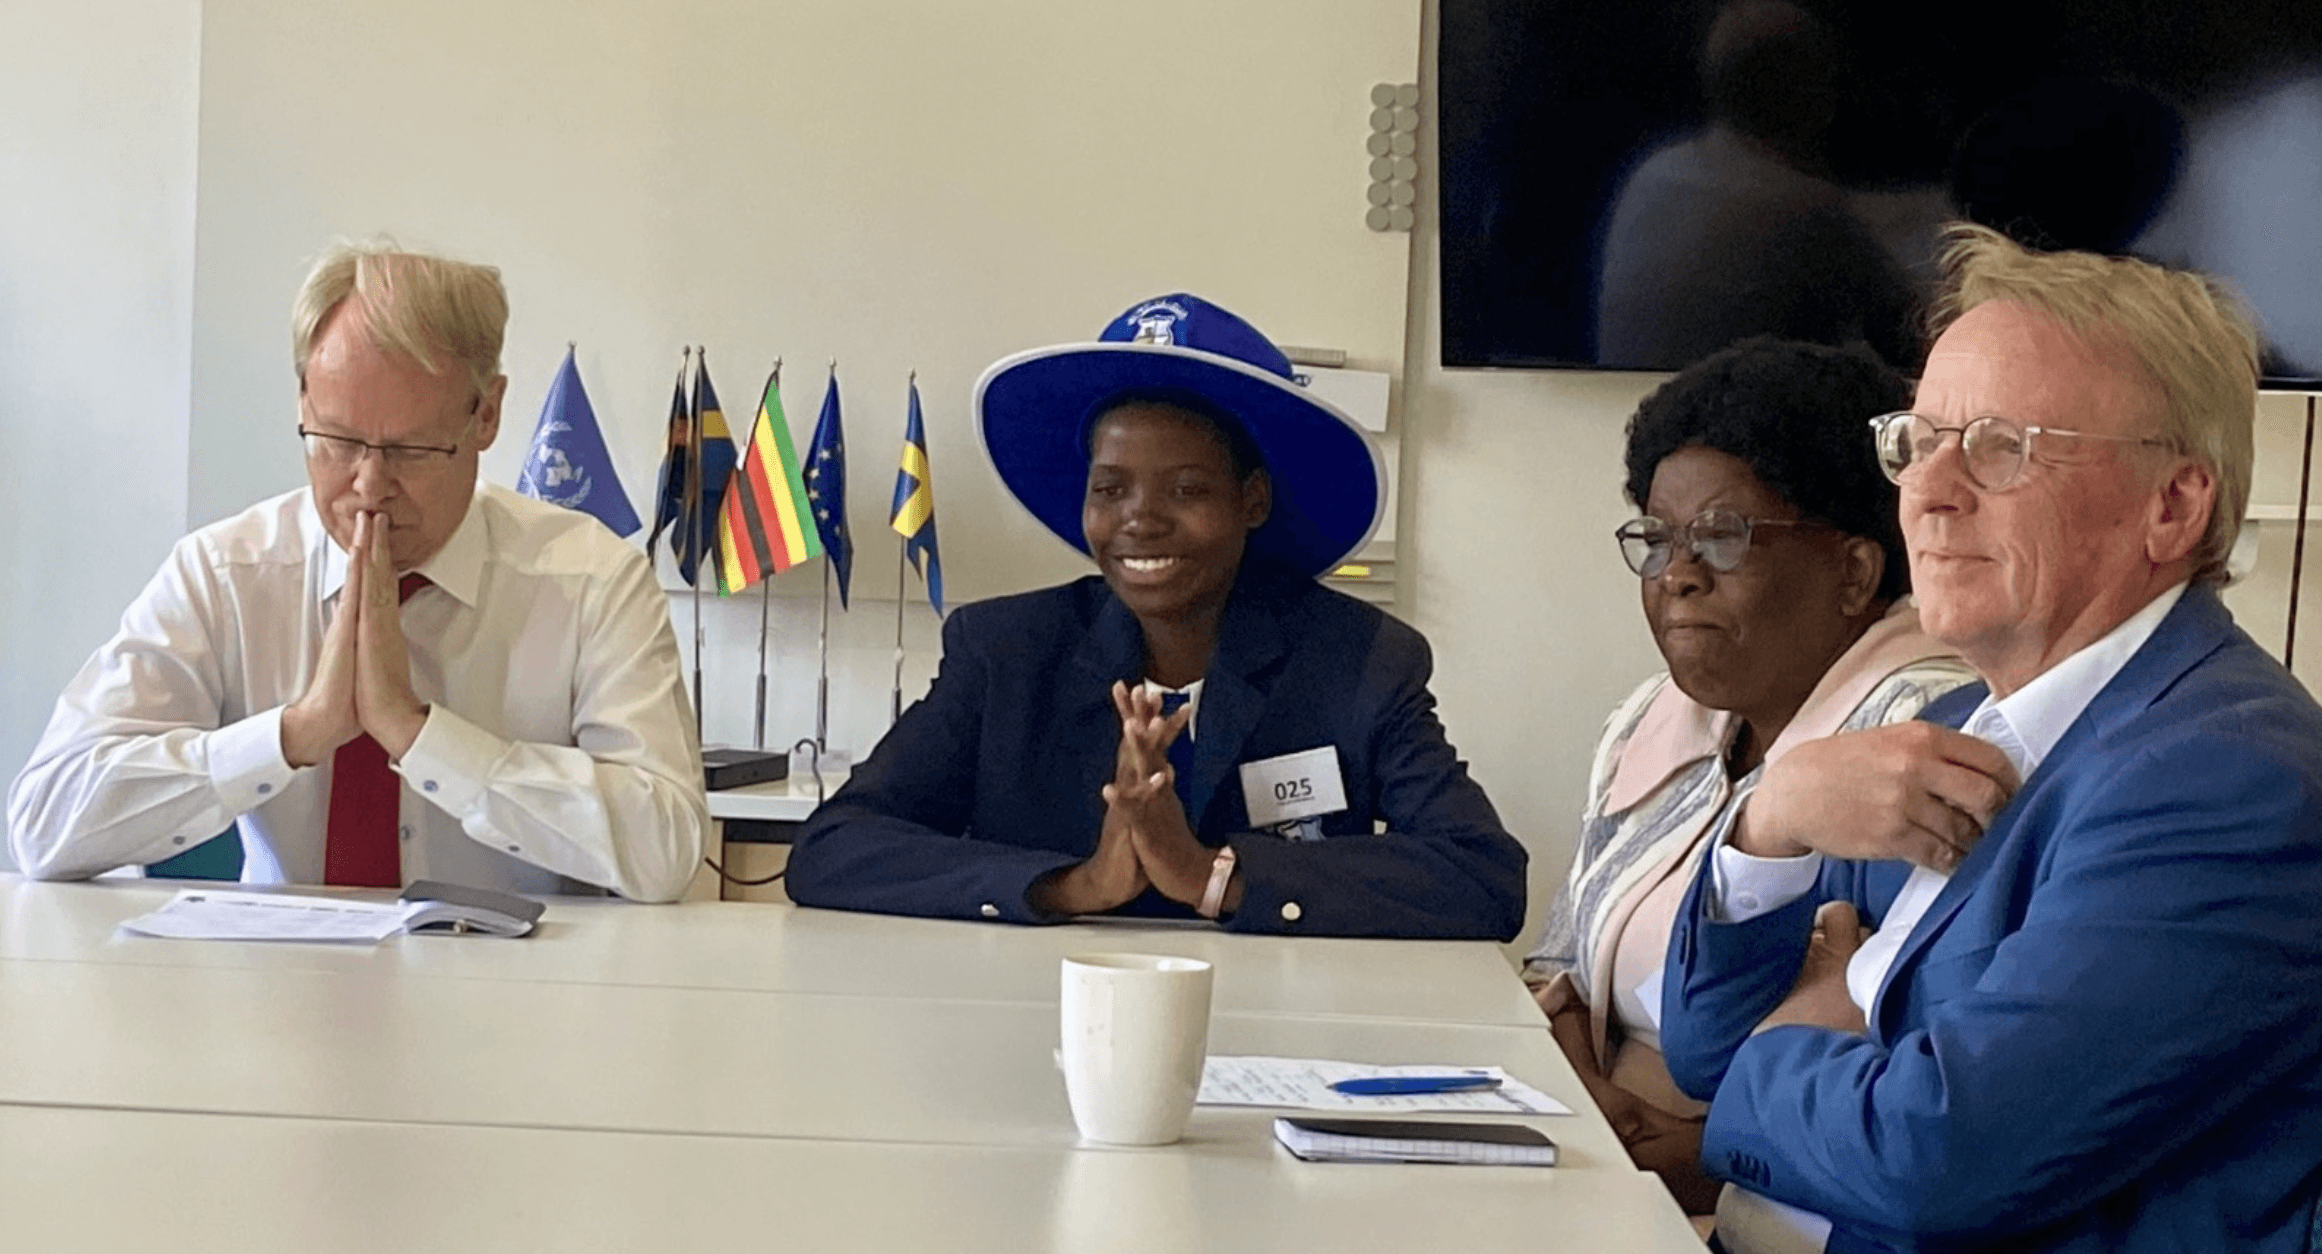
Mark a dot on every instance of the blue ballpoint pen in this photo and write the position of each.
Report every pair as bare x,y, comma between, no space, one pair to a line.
1395,1085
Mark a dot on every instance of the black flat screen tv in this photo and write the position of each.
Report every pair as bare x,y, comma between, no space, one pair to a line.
1630,184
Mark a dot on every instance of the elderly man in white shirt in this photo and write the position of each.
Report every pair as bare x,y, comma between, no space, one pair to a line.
396,672
2088,1018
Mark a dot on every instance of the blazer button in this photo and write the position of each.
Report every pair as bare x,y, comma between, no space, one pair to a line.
1290,912
988,910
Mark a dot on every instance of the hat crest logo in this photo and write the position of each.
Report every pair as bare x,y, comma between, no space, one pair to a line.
1156,322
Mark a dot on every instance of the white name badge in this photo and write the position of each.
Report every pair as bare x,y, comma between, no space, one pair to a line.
1293,786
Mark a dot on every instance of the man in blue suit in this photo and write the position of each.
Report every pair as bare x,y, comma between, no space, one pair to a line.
2053,980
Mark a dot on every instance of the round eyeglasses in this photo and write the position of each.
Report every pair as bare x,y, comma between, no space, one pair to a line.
1718,538
1993,449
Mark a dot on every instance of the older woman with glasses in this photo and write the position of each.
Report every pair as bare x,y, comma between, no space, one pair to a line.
1775,584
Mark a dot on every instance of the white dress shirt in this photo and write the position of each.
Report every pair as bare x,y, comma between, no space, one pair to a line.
2025,725
559,744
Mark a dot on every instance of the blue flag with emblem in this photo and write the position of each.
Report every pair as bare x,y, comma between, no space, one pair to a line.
568,464
826,487
913,514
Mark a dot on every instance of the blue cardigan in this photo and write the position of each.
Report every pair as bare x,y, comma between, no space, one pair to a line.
2106,1032
992,780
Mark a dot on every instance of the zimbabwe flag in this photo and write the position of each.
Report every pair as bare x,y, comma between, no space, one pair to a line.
763,527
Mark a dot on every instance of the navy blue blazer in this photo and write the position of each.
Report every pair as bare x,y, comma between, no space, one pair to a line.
993,779
2105,1033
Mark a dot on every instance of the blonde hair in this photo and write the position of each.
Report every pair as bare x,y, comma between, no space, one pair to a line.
2189,333
429,309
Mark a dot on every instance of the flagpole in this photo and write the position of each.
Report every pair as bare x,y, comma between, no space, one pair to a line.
765,614
822,684
895,709
693,472
765,606
693,521
895,700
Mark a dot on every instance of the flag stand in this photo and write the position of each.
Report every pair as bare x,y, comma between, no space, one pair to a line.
895,707
913,518
724,767
822,682
765,615
691,512
765,604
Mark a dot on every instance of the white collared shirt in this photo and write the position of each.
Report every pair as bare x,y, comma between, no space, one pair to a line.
559,746
1192,694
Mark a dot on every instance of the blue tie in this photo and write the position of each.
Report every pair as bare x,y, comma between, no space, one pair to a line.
1181,754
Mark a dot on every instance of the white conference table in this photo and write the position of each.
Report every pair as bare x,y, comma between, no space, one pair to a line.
758,947
883,1071
222,1184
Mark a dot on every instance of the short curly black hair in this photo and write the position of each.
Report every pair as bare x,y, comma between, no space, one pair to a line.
1799,415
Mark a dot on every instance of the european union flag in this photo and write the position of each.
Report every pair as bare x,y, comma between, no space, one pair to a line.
568,464
826,487
913,514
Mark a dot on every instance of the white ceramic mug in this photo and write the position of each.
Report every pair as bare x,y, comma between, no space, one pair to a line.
1136,1030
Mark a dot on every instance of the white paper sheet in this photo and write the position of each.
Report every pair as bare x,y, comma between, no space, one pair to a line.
1304,1084
205,914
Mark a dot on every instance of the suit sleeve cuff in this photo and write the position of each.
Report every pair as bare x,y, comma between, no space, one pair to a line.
246,763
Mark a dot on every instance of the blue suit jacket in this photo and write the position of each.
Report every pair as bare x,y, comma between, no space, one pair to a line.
2105,1033
993,780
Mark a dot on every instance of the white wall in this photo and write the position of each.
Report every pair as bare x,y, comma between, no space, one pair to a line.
1511,492
2260,600
96,293
897,184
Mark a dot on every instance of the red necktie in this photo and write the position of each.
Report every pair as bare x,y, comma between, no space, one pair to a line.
366,799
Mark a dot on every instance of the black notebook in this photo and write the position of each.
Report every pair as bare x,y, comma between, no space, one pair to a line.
458,908
1414,1141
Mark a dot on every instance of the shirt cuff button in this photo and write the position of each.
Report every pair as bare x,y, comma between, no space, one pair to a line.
263,789
1290,912
988,910
429,786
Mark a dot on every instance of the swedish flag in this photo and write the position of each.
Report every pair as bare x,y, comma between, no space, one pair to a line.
913,517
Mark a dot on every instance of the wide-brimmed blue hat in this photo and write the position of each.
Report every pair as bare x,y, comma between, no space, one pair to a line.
1034,410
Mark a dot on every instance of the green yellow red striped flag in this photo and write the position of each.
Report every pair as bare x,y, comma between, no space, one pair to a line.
764,527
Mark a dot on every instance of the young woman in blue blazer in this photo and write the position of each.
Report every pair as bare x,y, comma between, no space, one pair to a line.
1201,728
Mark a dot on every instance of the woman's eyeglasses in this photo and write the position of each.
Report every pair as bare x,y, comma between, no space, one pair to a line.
1718,538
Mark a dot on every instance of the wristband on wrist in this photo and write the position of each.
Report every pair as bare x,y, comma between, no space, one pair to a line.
1221,873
